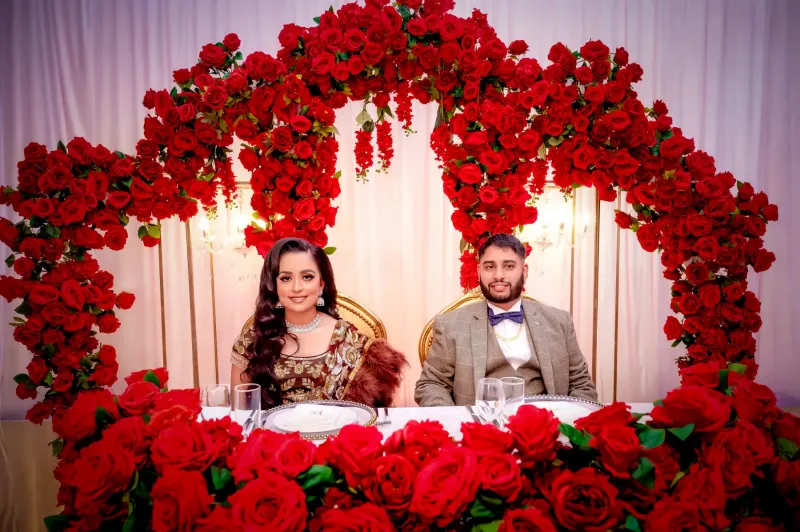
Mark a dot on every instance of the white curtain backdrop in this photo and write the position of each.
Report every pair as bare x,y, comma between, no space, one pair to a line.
724,68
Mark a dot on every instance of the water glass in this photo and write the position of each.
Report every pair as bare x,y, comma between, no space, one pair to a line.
216,401
247,407
514,389
490,399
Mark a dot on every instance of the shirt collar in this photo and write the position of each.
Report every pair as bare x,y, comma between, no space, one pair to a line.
497,310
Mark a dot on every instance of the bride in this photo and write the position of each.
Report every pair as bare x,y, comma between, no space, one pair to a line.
298,349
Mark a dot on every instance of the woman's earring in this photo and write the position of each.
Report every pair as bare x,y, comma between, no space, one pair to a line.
320,301
278,305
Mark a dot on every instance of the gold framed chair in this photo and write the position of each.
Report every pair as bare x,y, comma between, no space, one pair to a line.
426,339
351,310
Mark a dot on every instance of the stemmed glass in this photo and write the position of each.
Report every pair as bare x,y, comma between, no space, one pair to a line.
514,389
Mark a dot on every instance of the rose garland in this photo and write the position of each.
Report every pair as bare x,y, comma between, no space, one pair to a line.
503,120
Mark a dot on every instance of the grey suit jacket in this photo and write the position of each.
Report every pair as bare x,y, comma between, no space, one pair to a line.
457,357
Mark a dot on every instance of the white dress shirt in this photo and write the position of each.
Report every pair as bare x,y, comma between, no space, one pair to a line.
517,351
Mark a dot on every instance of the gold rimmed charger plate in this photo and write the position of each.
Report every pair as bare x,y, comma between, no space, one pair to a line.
365,416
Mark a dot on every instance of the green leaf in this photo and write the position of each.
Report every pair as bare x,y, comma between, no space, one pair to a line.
369,127
150,376
56,522
486,506
123,218
206,177
61,146
723,379
154,231
738,368
174,92
658,402
23,378
128,526
10,261
338,174
24,309
142,232
57,445
220,477
330,250
102,417
317,475
127,182
787,449
677,478
576,437
316,20
238,56
645,472
631,523
683,432
52,231
48,380
650,437
487,527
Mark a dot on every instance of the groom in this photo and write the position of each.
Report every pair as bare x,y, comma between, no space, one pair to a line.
504,336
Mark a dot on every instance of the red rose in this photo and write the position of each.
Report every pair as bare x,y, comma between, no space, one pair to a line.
303,150
108,323
180,498
23,266
138,398
527,520
669,515
352,451
72,294
707,410
42,295
115,238
161,374
100,472
125,300
23,391
294,456
787,426
754,402
730,454
486,439
673,328
709,295
37,370
500,474
419,442
258,454
215,97
446,486
535,432
79,421
188,399
619,448
231,42
392,483
770,212
300,123
614,414
757,524
697,273
182,446
470,174
705,374
270,503
304,209
584,500
704,486
130,433
787,480
213,56
372,53
647,237
689,304
366,517
281,138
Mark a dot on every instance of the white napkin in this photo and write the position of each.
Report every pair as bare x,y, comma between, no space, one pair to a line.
307,417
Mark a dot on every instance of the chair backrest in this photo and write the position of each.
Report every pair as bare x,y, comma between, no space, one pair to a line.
426,339
351,310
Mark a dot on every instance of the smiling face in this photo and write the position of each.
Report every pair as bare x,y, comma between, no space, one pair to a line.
299,282
502,274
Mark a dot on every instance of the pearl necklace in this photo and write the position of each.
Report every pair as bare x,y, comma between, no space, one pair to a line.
308,327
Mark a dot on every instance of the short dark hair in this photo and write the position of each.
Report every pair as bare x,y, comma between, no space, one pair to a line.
504,241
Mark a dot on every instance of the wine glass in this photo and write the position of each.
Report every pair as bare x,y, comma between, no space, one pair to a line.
247,407
514,389
216,401
491,399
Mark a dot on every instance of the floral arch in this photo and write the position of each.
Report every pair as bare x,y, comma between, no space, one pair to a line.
504,121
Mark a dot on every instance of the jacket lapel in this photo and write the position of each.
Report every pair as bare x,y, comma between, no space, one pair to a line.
542,348
478,336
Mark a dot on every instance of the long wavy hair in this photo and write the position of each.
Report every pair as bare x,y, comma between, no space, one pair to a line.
269,324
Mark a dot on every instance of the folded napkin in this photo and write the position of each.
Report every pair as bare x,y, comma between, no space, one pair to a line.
307,417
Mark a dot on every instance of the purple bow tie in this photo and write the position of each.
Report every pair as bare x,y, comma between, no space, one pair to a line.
517,317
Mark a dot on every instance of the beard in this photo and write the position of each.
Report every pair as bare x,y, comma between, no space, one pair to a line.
514,293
